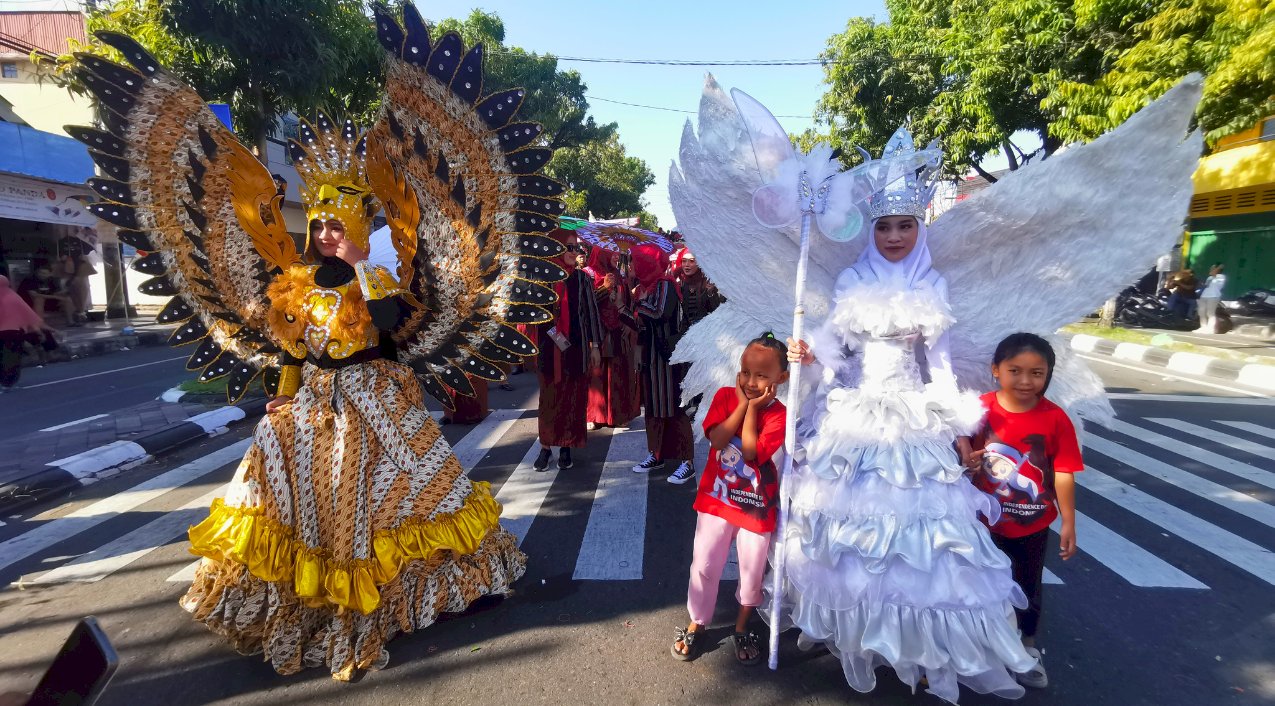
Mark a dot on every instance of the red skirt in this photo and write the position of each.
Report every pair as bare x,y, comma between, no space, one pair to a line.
615,397
470,410
563,408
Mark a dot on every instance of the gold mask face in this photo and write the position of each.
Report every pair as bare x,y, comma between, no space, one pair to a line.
334,186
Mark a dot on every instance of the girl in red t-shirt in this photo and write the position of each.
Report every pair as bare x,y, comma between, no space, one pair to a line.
738,495
1024,456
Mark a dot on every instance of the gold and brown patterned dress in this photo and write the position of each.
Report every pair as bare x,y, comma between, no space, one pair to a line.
350,519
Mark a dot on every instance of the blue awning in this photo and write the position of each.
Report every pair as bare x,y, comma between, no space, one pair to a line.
43,155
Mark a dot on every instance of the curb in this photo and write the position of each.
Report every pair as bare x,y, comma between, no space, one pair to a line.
1251,374
107,461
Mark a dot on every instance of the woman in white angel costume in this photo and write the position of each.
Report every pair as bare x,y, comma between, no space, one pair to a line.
887,561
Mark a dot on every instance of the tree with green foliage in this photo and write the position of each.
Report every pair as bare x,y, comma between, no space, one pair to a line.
972,73
604,180
265,58
1232,42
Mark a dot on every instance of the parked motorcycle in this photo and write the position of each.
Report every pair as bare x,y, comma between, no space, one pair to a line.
1137,310
1257,302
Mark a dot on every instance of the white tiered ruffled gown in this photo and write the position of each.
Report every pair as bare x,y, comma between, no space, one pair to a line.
887,561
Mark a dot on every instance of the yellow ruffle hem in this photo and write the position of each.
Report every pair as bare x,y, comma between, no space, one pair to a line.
270,552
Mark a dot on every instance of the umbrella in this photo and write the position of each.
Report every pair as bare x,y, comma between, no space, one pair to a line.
619,238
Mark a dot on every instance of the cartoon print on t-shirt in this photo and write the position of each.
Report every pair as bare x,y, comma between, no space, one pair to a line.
1021,481
731,460
1004,465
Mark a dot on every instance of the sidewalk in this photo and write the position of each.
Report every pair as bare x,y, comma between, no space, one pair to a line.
58,459
1234,357
94,338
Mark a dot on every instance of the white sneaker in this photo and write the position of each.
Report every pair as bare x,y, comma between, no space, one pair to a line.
1036,677
684,472
650,464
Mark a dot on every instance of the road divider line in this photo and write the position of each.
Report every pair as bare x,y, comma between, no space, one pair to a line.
616,533
54,531
1226,497
115,555
1161,372
1235,442
522,494
475,445
71,424
1256,560
104,372
1222,463
1130,561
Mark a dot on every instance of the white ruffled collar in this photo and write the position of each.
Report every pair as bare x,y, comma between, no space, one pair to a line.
883,309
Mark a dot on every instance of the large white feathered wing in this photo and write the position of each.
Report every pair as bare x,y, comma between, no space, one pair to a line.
754,266
1048,244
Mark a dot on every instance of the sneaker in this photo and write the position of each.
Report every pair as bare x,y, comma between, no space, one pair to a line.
564,458
1036,677
684,472
650,464
542,461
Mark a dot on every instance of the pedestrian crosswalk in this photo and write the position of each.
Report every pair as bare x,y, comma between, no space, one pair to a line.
1164,503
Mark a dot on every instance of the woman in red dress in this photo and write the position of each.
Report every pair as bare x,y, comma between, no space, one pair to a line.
614,397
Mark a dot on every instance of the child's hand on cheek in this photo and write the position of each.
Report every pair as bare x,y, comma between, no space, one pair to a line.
766,397
740,397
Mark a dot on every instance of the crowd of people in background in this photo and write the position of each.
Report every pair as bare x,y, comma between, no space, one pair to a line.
606,355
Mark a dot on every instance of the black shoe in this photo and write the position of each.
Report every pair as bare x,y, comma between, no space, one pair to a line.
542,461
564,458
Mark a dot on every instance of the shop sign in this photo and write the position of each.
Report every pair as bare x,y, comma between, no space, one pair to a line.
44,202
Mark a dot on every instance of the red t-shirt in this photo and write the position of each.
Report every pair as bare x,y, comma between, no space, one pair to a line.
745,494
1024,451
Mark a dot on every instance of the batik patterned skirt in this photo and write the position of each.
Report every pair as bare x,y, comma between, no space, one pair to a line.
348,521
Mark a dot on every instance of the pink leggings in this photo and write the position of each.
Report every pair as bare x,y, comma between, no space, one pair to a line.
712,547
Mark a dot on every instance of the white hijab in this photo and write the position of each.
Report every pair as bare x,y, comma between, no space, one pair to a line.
872,266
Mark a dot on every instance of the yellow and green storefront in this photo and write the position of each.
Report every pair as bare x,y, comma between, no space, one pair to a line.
1232,216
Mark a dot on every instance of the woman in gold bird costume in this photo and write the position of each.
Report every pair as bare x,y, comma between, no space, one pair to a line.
350,519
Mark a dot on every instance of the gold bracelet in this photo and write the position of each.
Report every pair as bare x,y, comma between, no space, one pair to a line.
289,380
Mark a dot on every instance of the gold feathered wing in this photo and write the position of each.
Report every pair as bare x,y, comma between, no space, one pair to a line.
180,186
467,208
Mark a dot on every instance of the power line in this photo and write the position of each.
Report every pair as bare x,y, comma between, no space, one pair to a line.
676,110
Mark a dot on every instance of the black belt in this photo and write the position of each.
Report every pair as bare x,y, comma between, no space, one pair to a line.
329,363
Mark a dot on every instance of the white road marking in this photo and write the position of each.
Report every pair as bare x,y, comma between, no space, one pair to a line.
1049,578
1222,463
1256,560
1263,401
1234,442
187,573
473,447
50,533
1252,428
115,555
1133,563
524,492
104,372
71,424
616,533
1162,372
1230,499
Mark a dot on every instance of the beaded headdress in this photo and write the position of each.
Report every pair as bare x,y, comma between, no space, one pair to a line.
909,195
334,182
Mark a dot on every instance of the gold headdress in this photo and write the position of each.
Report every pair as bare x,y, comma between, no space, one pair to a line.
333,177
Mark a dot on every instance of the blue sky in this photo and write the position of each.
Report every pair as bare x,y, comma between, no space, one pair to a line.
661,29
670,29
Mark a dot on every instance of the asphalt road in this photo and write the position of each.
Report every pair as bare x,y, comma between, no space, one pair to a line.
69,391
1170,601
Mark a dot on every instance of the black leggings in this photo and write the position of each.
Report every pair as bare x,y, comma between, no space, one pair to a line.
10,357
1028,556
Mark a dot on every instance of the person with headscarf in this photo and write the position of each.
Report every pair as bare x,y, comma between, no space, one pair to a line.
888,562
614,399
569,352
668,427
18,322
698,295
